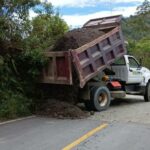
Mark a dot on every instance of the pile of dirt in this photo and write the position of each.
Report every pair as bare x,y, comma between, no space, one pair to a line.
60,109
77,38
67,93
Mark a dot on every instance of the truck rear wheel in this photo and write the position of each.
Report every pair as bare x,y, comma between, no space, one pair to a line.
147,93
100,98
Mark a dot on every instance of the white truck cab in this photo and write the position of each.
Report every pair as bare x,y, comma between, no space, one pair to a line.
136,77
124,76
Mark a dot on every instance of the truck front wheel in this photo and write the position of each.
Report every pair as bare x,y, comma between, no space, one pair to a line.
100,98
147,93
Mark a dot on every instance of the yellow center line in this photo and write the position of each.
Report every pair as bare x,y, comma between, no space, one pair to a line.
84,137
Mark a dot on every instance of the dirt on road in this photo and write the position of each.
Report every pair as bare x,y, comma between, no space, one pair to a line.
131,109
61,109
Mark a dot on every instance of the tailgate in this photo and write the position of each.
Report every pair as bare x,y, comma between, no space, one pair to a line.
58,69
105,22
96,55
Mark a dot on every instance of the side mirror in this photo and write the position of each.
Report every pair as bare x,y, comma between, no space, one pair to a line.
141,61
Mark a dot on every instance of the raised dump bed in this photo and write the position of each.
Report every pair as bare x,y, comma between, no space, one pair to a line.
88,59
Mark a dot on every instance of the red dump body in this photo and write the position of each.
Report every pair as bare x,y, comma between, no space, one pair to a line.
89,59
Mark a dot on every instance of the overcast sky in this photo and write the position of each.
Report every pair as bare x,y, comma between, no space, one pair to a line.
77,12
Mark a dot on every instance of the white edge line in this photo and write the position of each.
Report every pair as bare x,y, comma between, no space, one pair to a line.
19,119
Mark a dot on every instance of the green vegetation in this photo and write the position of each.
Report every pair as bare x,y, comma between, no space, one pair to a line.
137,32
22,42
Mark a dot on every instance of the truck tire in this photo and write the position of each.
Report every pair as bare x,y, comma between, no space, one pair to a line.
147,93
100,98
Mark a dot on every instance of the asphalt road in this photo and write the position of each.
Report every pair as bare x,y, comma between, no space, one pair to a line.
119,137
128,129
42,133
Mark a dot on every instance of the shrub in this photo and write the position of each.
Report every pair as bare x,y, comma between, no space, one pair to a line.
13,105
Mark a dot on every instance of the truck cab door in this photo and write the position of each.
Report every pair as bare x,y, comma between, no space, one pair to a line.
121,69
134,71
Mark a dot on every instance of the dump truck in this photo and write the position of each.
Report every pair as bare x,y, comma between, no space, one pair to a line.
103,69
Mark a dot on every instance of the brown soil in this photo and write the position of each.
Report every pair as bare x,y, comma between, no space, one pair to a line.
60,101
76,38
60,109
68,93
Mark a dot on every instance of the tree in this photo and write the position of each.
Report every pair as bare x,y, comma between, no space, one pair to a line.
22,42
138,26
14,23
47,27
137,31
144,8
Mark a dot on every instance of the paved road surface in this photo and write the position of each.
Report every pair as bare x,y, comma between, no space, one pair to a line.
119,137
42,133
128,129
